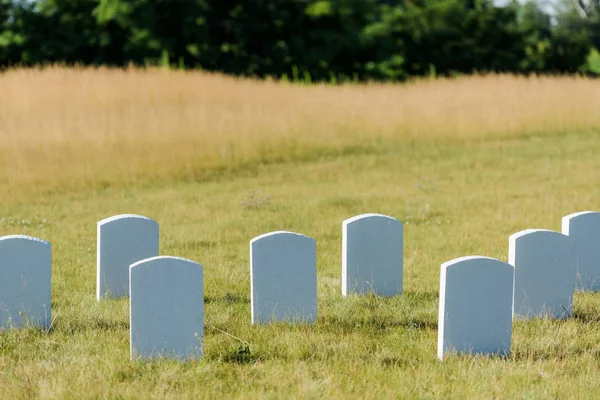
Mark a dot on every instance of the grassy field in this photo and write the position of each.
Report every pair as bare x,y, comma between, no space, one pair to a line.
463,163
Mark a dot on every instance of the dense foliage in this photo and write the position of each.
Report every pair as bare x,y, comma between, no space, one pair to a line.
302,39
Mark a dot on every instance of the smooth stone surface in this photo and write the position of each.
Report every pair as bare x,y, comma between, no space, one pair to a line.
122,241
584,228
166,308
545,268
372,255
25,282
475,310
283,278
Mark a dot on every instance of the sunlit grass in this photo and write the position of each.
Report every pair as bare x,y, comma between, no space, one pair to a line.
463,163
95,127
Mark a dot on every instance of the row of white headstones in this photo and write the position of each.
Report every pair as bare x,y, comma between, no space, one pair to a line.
479,296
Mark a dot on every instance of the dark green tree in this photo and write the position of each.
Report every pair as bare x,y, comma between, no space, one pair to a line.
311,40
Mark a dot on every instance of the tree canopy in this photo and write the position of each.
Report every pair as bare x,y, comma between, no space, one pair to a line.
302,39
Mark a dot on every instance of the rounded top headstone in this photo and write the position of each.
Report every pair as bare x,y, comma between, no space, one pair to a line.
23,237
158,259
280,234
525,232
123,216
579,214
474,258
370,215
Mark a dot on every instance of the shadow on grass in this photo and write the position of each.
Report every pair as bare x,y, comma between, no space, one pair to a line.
453,357
228,298
79,326
197,244
335,324
422,297
418,298
559,352
241,355
395,362
586,316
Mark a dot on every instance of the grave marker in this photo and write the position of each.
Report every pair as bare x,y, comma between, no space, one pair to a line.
283,278
122,241
475,309
167,308
372,255
545,268
584,229
25,282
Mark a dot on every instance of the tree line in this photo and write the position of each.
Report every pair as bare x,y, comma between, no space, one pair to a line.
310,40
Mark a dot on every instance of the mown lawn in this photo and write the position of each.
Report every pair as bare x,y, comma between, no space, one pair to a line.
456,195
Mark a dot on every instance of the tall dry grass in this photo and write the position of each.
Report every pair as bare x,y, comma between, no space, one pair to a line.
81,127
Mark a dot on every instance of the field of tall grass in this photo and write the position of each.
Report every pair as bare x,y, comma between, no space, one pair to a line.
82,127
216,161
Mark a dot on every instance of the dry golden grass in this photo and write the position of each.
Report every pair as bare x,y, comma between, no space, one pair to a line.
84,127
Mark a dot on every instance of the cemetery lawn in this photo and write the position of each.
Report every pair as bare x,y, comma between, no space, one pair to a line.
457,194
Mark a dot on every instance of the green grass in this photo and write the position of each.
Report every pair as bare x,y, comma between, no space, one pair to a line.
456,197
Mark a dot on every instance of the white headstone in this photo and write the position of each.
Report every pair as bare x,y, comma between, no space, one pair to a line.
372,255
545,267
584,229
166,308
283,278
475,314
25,282
122,241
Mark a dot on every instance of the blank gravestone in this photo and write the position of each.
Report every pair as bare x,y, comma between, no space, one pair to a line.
25,282
283,278
584,229
372,255
475,314
167,308
545,268
122,241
